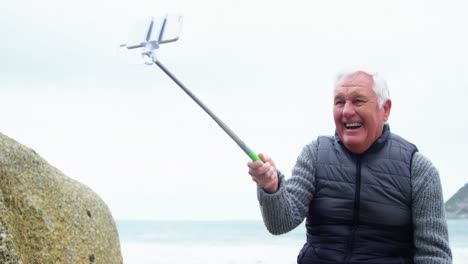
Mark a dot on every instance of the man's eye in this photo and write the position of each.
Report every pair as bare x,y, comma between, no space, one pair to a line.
339,102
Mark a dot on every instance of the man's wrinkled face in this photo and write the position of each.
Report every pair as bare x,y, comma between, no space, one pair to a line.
358,119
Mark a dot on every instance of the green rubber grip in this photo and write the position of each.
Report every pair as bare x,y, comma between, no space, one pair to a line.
254,156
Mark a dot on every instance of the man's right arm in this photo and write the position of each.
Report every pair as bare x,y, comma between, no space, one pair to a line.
286,208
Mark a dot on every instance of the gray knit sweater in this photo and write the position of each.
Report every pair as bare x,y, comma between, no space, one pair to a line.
286,209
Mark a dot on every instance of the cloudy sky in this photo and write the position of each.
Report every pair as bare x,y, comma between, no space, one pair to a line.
265,67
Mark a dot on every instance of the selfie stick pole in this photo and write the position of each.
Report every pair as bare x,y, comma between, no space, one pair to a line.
153,38
221,124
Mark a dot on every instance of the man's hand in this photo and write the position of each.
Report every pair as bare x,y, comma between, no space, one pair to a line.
264,174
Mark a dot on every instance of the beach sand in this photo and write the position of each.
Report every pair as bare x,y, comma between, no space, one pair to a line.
460,255
140,253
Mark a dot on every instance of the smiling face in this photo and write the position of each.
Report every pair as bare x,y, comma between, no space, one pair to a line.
358,118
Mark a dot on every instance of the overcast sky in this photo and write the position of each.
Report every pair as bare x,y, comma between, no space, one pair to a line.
266,68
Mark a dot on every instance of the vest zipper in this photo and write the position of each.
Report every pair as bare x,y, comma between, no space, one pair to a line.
357,204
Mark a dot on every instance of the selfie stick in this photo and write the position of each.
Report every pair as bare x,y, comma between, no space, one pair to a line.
150,44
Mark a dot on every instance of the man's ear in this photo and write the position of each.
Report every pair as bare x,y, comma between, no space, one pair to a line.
386,107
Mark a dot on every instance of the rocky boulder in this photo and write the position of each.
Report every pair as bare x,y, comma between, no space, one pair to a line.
46,217
457,205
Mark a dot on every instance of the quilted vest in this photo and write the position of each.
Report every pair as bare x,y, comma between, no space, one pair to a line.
361,210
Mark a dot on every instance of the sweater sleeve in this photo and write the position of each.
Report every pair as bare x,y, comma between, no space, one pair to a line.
430,226
285,209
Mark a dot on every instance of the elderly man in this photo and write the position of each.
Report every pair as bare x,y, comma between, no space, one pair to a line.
367,194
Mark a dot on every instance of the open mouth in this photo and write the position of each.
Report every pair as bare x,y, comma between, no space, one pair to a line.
354,125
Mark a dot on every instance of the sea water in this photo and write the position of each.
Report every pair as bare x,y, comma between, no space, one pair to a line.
230,242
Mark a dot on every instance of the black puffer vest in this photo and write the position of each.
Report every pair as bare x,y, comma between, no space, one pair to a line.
361,210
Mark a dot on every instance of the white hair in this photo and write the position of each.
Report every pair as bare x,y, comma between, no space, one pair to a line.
379,84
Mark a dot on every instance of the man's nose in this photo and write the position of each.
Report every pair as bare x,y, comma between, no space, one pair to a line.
348,109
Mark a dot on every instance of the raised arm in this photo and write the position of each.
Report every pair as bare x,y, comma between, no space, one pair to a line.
285,208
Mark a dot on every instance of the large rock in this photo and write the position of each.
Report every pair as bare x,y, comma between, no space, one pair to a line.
46,217
457,206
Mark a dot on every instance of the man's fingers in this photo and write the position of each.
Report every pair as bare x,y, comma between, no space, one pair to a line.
264,176
264,173
254,164
266,158
261,171
265,168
